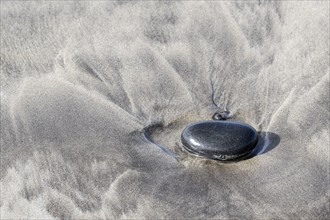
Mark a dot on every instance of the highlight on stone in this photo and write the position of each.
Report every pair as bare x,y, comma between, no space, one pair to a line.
219,140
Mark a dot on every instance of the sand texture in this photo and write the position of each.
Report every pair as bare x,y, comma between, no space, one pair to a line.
95,95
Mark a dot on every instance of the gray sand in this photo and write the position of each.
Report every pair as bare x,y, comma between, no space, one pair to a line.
80,81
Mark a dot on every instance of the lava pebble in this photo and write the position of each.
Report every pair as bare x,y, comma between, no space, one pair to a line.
219,140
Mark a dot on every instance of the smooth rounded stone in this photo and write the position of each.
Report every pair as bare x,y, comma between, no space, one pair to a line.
219,140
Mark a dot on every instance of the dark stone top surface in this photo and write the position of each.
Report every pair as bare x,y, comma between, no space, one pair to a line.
219,139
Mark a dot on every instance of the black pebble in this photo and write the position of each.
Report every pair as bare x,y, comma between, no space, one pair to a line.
219,140
224,115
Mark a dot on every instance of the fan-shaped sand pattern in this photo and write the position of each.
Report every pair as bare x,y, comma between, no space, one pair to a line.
81,81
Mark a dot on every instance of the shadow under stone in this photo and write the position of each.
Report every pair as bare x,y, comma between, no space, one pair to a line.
267,141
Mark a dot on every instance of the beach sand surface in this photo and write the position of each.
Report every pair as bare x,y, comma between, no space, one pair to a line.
81,81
